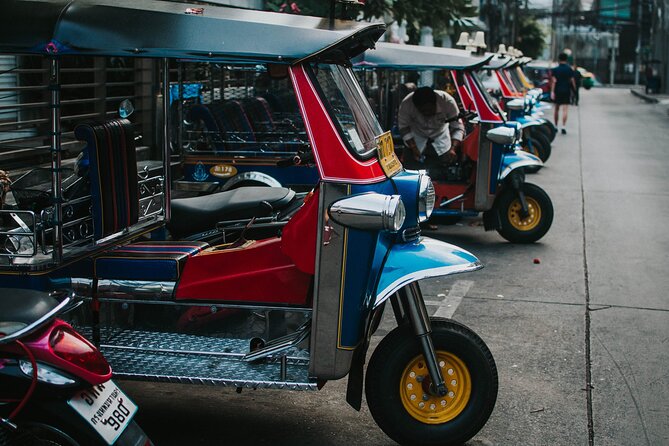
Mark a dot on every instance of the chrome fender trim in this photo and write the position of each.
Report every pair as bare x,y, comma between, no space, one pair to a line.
421,259
516,161
251,176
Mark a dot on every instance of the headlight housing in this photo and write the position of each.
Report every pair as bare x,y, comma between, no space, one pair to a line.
370,211
426,198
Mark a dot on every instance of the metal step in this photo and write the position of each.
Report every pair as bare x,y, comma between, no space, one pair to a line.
195,359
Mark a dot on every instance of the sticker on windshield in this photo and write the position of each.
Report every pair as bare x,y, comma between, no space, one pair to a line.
355,139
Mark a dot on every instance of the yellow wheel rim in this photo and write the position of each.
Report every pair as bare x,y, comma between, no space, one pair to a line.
433,409
532,220
533,150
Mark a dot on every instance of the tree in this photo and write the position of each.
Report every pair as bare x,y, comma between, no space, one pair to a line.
530,38
443,16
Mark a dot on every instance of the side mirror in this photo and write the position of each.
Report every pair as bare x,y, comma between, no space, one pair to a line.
516,104
125,108
502,135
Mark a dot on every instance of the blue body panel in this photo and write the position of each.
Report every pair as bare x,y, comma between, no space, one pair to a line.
423,258
287,176
514,160
367,252
527,121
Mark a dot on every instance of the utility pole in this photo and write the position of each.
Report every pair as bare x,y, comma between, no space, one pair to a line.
554,31
614,49
637,60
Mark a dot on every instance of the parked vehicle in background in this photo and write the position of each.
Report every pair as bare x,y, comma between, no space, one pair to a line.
281,304
489,177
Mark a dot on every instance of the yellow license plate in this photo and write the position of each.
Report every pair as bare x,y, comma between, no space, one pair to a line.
389,161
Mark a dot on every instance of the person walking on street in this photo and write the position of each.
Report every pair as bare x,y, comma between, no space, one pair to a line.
562,84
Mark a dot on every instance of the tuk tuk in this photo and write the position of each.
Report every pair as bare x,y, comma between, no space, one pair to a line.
490,175
500,77
283,304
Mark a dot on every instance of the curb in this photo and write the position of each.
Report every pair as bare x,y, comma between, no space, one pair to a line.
645,97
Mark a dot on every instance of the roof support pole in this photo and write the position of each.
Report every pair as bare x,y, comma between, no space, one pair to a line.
167,154
56,174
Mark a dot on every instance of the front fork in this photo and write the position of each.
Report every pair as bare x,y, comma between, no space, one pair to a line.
517,181
411,306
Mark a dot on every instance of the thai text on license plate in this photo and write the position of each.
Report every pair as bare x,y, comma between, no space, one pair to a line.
390,164
106,408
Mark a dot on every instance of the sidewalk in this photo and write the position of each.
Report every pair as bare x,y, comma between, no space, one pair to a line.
661,99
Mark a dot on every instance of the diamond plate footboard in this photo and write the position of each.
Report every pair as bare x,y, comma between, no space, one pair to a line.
193,359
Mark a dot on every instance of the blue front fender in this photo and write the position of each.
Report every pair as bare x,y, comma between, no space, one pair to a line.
421,259
516,160
528,121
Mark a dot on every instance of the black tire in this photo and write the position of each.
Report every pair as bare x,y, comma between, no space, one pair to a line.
537,144
532,228
545,131
388,368
37,434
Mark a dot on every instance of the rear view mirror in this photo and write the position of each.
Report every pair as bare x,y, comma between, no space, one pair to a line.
502,135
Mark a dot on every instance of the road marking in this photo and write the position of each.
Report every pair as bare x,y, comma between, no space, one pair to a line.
450,303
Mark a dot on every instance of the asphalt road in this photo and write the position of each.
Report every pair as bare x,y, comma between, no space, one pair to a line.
581,339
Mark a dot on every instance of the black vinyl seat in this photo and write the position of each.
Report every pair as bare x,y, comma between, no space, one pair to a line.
198,214
20,308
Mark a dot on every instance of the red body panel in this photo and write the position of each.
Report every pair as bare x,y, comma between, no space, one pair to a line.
38,343
465,97
485,112
444,191
298,238
258,273
507,90
470,145
334,161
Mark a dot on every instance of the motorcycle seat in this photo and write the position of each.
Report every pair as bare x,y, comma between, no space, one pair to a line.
197,214
20,307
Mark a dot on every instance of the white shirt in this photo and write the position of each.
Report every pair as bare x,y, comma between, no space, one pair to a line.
414,125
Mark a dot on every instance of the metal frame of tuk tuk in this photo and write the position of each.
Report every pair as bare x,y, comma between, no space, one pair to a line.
366,254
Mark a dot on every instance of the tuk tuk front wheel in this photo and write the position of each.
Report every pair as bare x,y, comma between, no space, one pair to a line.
517,228
399,394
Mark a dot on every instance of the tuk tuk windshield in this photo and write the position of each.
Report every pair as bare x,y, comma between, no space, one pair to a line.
492,102
346,101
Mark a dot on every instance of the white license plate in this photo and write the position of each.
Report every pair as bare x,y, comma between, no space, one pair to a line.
106,408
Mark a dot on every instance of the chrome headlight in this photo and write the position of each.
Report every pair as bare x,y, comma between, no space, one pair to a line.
503,135
516,104
426,198
370,211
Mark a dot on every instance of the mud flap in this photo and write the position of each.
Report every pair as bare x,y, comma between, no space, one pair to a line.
355,377
356,373
491,219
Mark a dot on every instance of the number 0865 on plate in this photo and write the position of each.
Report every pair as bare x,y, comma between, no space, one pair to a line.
106,408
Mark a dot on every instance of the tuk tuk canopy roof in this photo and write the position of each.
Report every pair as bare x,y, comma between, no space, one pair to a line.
152,28
542,64
414,57
498,61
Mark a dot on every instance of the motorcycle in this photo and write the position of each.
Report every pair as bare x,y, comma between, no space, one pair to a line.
490,175
55,385
288,310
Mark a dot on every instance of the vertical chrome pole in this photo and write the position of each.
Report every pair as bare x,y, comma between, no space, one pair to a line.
56,175
167,157
420,320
